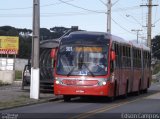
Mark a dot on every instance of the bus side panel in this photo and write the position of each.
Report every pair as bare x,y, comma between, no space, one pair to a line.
122,82
127,76
147,70
136,80
147,77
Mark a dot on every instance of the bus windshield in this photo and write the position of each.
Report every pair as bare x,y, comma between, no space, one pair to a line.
82,59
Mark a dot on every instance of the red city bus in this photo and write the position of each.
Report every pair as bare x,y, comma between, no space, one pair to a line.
99,64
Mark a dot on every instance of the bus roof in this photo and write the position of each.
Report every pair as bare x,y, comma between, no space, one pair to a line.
89,33
110,36
123,41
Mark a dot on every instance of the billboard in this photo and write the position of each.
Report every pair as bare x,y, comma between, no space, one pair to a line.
9,45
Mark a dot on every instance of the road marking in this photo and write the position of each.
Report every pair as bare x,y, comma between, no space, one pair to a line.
106,108
92,111
103,109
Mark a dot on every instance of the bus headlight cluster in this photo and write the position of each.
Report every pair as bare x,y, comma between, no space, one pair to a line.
102,82
58,81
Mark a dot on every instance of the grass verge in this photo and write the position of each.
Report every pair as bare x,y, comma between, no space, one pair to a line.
20,101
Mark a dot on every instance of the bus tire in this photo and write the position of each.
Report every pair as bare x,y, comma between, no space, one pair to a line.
126,91
139,89
112,98
146,89
66,98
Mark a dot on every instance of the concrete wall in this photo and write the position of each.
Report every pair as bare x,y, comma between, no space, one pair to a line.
7,77
20,63
8,64
8,67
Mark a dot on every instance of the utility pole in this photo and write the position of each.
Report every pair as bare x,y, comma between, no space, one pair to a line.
149,26
35,78
137,31
109,5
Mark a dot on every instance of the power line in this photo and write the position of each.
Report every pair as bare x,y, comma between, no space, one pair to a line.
115,2
122,27
102,2
49,14
58,3
23,8
136,21
157,21
156,15
127,15
20,8
156,10
125,9
80,7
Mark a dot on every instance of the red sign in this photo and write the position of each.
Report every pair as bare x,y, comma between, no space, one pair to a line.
11,52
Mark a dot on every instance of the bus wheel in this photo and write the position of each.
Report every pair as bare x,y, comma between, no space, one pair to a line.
145,90
112,98
66,98
126,92
139,89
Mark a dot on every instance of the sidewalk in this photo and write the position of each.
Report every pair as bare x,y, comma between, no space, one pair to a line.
12,96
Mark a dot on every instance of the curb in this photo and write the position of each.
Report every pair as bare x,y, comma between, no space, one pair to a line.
34,103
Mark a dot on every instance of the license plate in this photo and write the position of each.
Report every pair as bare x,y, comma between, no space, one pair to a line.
79,91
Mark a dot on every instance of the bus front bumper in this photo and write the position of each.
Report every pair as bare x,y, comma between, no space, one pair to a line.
82,90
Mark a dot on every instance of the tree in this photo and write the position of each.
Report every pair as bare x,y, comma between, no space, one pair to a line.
57,32
25,45
45,34
156,46
25,38
8,31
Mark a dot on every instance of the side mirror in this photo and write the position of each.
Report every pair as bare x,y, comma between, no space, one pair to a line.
113,55
53,53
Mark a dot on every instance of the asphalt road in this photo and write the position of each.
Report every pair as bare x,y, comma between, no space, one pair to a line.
145,105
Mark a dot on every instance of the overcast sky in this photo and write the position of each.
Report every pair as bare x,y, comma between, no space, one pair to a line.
87,14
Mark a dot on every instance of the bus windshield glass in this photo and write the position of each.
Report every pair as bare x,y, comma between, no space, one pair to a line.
83,59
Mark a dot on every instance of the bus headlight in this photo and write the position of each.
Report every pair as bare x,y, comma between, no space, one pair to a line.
102,82
58,81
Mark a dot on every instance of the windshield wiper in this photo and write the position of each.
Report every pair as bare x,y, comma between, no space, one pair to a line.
70,71
89,70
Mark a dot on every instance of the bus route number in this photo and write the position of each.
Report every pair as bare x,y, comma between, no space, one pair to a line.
68,49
